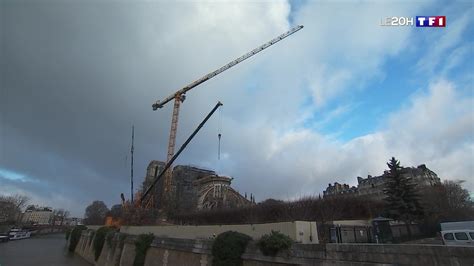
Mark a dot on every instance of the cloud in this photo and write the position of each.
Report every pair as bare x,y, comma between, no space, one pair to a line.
446,46
435,127
76,76
346,49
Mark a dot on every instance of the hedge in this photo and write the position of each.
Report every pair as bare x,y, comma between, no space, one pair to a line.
142,244
228,248
75,236
100,239
271,244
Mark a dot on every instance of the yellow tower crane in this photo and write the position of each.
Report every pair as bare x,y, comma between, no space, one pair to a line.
179,97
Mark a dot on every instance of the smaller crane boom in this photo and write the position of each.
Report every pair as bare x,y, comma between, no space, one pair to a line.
170,162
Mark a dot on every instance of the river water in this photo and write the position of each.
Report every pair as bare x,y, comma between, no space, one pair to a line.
46,250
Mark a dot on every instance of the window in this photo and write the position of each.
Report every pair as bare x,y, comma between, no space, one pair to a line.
461,236
448,236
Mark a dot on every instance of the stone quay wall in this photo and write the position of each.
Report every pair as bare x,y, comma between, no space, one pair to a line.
174,251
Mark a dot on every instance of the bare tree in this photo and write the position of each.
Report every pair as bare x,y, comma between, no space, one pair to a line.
445,202
11,206
20,201
457,197
59,215
95,213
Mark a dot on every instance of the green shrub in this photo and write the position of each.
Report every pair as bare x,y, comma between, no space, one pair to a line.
270,244
228,247
100,239
142,244
75,236
122,237
68,233
109,237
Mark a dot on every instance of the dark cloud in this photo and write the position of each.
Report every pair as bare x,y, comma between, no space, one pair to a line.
77,75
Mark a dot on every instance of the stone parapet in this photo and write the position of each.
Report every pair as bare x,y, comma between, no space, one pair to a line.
300,231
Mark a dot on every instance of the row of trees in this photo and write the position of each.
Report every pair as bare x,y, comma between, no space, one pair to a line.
11,208
404,201
97,212
305,209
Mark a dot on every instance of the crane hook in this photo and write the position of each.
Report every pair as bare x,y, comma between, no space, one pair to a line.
219,147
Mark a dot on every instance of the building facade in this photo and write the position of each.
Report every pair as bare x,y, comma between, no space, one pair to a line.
373,186
40,216
340,189
194,188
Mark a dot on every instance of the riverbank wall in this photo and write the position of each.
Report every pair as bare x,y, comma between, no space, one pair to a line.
180,251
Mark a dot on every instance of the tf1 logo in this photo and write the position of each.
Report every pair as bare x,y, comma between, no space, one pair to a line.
419,21
431,21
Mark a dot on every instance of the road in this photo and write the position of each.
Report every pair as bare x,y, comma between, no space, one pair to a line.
46,250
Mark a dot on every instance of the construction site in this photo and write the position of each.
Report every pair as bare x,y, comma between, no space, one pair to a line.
184,189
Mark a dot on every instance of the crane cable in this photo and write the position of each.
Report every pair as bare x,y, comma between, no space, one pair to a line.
219,134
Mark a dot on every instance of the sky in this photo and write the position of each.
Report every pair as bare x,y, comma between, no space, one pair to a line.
334,101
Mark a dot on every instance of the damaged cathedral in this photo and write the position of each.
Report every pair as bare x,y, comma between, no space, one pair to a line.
194,188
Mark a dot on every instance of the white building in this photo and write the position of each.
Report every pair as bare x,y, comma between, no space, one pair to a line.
39,216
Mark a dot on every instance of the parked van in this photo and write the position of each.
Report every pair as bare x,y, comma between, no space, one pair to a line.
458,237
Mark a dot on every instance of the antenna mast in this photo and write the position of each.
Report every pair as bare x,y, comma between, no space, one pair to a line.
131,166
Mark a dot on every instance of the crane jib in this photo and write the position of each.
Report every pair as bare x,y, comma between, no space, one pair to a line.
159,104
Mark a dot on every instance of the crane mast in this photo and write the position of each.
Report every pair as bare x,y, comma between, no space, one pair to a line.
179,97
